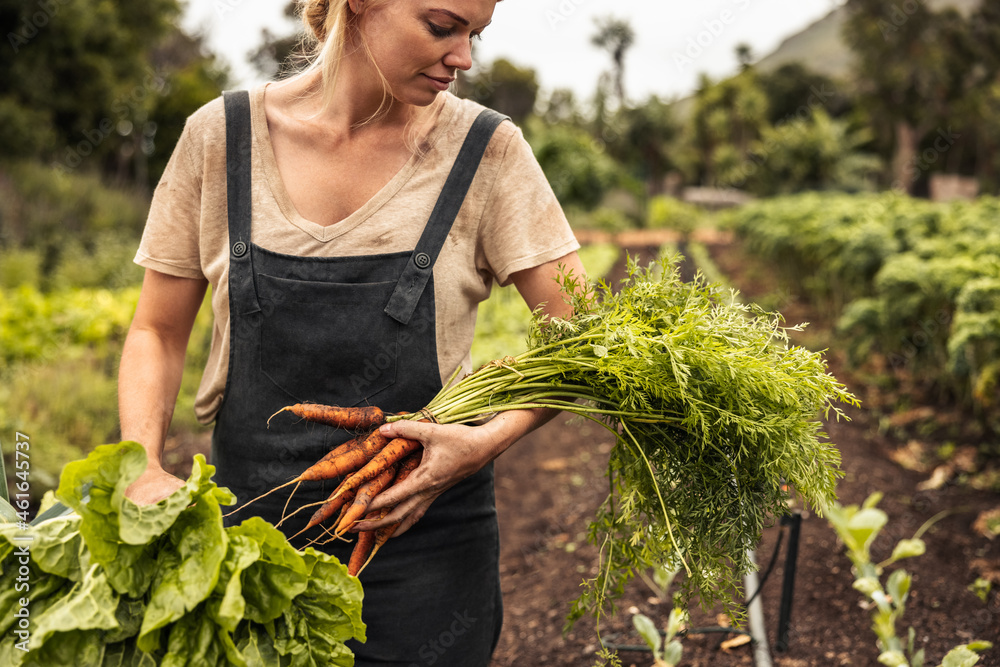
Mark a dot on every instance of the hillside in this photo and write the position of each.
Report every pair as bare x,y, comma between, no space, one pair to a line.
821,48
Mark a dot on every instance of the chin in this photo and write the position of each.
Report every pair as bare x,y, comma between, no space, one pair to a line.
419,98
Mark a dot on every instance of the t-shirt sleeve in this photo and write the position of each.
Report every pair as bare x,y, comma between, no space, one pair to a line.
170,239
523,225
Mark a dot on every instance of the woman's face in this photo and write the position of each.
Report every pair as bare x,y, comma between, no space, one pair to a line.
419,45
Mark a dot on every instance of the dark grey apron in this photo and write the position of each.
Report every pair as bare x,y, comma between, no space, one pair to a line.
356,331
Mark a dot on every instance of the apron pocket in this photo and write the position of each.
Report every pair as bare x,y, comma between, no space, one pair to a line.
327,342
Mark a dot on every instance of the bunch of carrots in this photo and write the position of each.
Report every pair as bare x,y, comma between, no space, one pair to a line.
368,463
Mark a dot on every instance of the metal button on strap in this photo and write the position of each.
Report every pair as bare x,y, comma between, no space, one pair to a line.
239,248
422,260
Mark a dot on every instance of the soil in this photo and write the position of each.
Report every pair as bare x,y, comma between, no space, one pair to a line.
549,486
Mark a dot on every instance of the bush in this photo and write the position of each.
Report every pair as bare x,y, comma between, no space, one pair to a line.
20,267
670,213
49,210
575,164
914,281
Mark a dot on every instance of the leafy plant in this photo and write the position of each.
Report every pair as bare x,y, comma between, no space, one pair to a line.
913,282
119,584
668,212
51,345
667,651
857,529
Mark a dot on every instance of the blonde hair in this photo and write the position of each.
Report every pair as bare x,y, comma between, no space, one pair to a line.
333,26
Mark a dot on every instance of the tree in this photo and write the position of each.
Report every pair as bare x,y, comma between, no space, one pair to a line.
616,37
503,86
80,80
913,66
192,77
278,54
560,107
744,55
793,91
643,141
728,118
979,110
579,171
812,153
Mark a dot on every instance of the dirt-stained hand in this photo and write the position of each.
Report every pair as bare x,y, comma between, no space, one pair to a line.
154,485
451,453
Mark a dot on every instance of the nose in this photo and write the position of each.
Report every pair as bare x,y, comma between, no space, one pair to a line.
460,57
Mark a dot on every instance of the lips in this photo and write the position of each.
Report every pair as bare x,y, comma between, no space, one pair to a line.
441,83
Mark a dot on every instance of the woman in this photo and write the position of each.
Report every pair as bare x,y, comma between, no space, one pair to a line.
349,221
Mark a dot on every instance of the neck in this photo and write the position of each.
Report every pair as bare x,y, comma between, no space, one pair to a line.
359,100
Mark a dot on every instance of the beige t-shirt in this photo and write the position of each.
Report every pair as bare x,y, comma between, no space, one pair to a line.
510,221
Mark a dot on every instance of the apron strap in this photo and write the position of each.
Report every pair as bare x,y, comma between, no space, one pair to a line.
238,198
420,267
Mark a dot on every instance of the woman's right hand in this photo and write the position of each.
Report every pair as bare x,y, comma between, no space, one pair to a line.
153,485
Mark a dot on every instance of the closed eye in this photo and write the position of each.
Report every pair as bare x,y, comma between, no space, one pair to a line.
441,32
438,31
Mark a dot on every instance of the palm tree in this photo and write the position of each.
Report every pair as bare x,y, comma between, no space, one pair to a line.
616,36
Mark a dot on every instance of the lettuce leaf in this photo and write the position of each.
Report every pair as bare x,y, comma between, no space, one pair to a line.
256,645
227,607
56,546
332,599
80,648
188,567
95,488
90,605
270,584
197,641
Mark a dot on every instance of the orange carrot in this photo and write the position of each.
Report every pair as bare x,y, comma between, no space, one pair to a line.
395,450
363,498
333,503
383,534
332,454
363,547
346,418
351,460
408,465
327,530
330,468
344,448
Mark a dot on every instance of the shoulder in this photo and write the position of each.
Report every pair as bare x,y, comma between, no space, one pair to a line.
461,113
204,131
209,115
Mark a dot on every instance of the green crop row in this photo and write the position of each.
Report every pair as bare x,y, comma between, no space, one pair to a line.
915,282
59,354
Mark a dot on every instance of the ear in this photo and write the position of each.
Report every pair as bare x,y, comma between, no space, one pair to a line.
357,6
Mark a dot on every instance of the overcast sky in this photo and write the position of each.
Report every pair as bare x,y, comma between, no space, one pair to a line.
675,40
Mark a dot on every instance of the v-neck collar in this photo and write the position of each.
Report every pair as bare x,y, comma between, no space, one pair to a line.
323,233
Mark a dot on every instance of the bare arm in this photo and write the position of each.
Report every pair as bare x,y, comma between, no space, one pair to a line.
149,376
452,452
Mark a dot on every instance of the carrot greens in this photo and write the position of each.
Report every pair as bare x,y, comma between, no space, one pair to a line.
715,414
